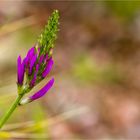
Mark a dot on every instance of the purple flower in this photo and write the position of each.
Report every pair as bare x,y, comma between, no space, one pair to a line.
43,91
47,68
20,70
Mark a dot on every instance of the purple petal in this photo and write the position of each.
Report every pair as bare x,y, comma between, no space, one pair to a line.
37,68
32,83
38,50
48,68
41,59
20,71
32,62
29,56
43,91
31,52
25,61
46,57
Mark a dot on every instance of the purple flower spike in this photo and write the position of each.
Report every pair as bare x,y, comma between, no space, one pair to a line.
43,91
48,68
20,70
37,66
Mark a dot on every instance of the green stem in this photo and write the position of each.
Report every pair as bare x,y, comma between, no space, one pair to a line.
10,111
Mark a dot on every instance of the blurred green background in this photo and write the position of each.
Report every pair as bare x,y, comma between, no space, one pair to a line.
97,70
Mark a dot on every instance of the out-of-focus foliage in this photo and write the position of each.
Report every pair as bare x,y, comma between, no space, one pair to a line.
124,8
86,69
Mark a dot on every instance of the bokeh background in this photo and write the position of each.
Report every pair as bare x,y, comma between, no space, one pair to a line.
97,70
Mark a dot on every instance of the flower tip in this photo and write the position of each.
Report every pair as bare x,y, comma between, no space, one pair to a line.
52,81
19,59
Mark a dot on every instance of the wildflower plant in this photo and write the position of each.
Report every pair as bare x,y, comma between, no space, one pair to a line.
36,65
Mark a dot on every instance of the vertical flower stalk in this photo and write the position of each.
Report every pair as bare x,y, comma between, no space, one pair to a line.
36,66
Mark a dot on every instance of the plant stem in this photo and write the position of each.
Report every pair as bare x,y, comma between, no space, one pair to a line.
10,111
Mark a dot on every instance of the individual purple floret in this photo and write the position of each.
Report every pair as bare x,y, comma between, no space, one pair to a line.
32,62
20,70
41,59
47,68
43,91
29,56
32,83
38,94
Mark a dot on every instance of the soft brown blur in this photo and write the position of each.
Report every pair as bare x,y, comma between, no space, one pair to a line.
97,70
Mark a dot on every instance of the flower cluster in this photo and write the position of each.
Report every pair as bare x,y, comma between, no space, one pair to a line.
38,62
36,67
